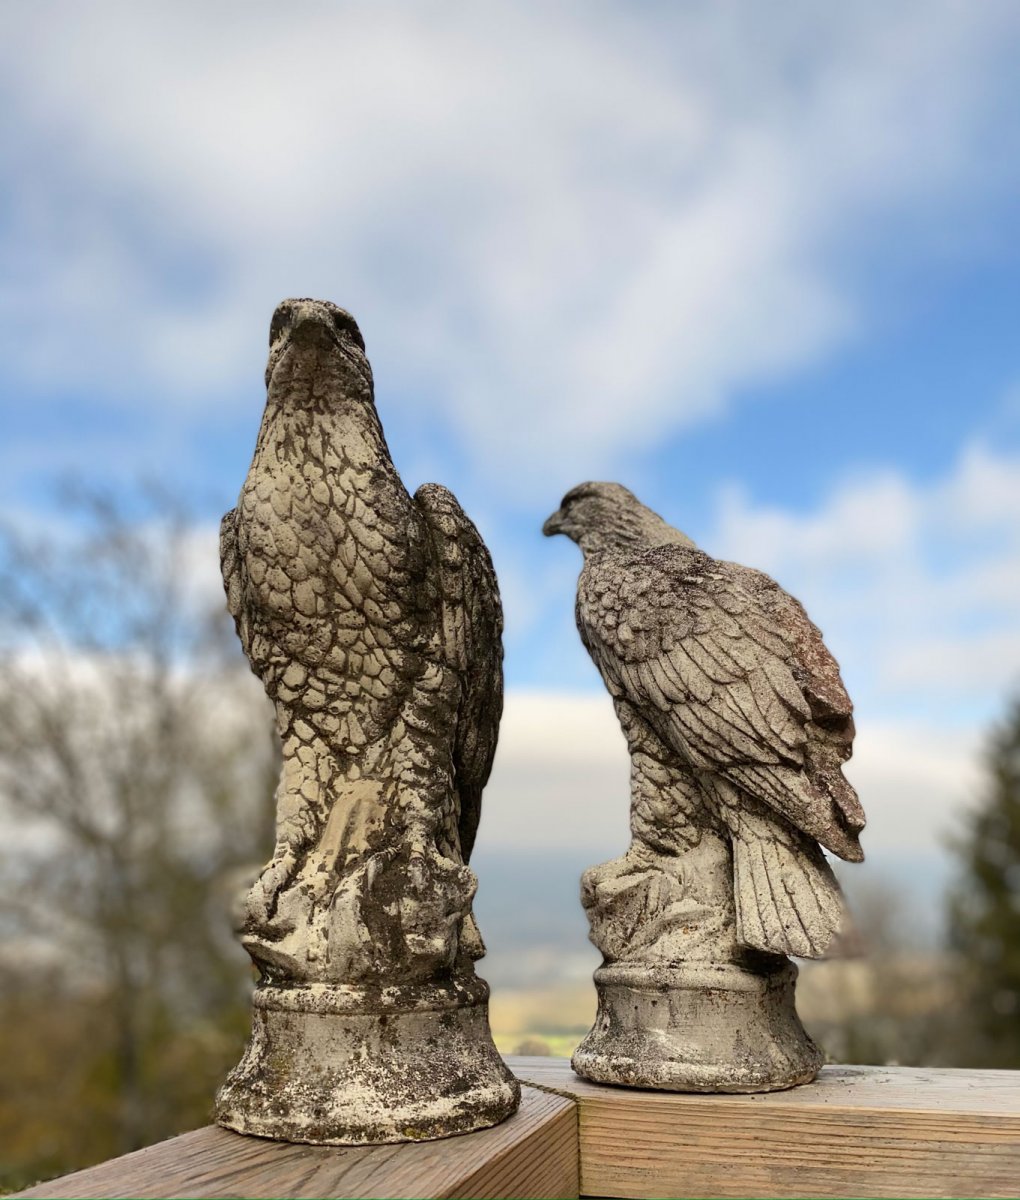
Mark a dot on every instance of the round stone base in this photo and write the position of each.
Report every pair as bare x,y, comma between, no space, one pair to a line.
335,1065
697,1028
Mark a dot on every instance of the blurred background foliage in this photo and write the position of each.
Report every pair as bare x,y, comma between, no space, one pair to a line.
984,908
137,765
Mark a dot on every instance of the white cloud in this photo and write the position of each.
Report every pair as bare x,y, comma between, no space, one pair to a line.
561,780
985,491
200,577
561,776
915,585
914,780
862,520
598,223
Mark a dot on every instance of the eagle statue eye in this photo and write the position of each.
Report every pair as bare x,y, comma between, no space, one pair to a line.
345,323
279,323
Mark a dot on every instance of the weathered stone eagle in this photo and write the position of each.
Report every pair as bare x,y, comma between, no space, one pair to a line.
734,711
374,622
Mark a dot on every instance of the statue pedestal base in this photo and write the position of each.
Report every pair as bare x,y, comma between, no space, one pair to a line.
339,1065
701,1027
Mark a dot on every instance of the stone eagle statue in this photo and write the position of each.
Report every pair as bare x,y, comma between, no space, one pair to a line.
374,622
734,712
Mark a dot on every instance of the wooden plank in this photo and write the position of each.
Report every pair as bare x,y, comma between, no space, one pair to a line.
856,1131
533,1154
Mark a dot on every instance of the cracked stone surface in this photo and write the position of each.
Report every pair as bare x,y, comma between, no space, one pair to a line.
373,620
738,724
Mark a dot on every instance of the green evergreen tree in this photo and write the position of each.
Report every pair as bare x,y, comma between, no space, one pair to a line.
984,922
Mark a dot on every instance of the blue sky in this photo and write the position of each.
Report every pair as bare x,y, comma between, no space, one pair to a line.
758,262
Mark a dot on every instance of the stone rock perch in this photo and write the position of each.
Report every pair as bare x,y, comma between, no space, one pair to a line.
738,725
374,622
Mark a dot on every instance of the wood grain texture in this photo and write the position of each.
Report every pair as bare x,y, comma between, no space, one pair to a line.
857,1131
533,1154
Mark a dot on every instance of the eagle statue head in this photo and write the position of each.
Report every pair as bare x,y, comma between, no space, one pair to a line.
608,516
316,355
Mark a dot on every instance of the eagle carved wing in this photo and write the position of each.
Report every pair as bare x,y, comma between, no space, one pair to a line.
472,640
233,580
705,662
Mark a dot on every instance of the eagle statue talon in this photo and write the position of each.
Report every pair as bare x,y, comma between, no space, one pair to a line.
260,903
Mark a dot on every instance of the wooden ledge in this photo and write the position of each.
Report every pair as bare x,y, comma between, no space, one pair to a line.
856,1131
534,1153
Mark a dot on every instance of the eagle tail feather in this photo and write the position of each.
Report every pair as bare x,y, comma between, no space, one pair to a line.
816,806
788,901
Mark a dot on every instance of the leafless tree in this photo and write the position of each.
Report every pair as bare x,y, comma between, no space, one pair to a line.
137,761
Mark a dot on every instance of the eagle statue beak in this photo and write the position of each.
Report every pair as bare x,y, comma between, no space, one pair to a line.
554,524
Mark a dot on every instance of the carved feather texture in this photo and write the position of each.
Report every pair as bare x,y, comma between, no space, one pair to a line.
472,626
787,899
325,552
733,679
373,620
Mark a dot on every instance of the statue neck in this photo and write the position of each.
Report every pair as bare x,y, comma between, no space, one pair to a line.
638,531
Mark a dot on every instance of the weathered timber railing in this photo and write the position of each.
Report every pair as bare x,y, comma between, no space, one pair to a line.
857,1131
